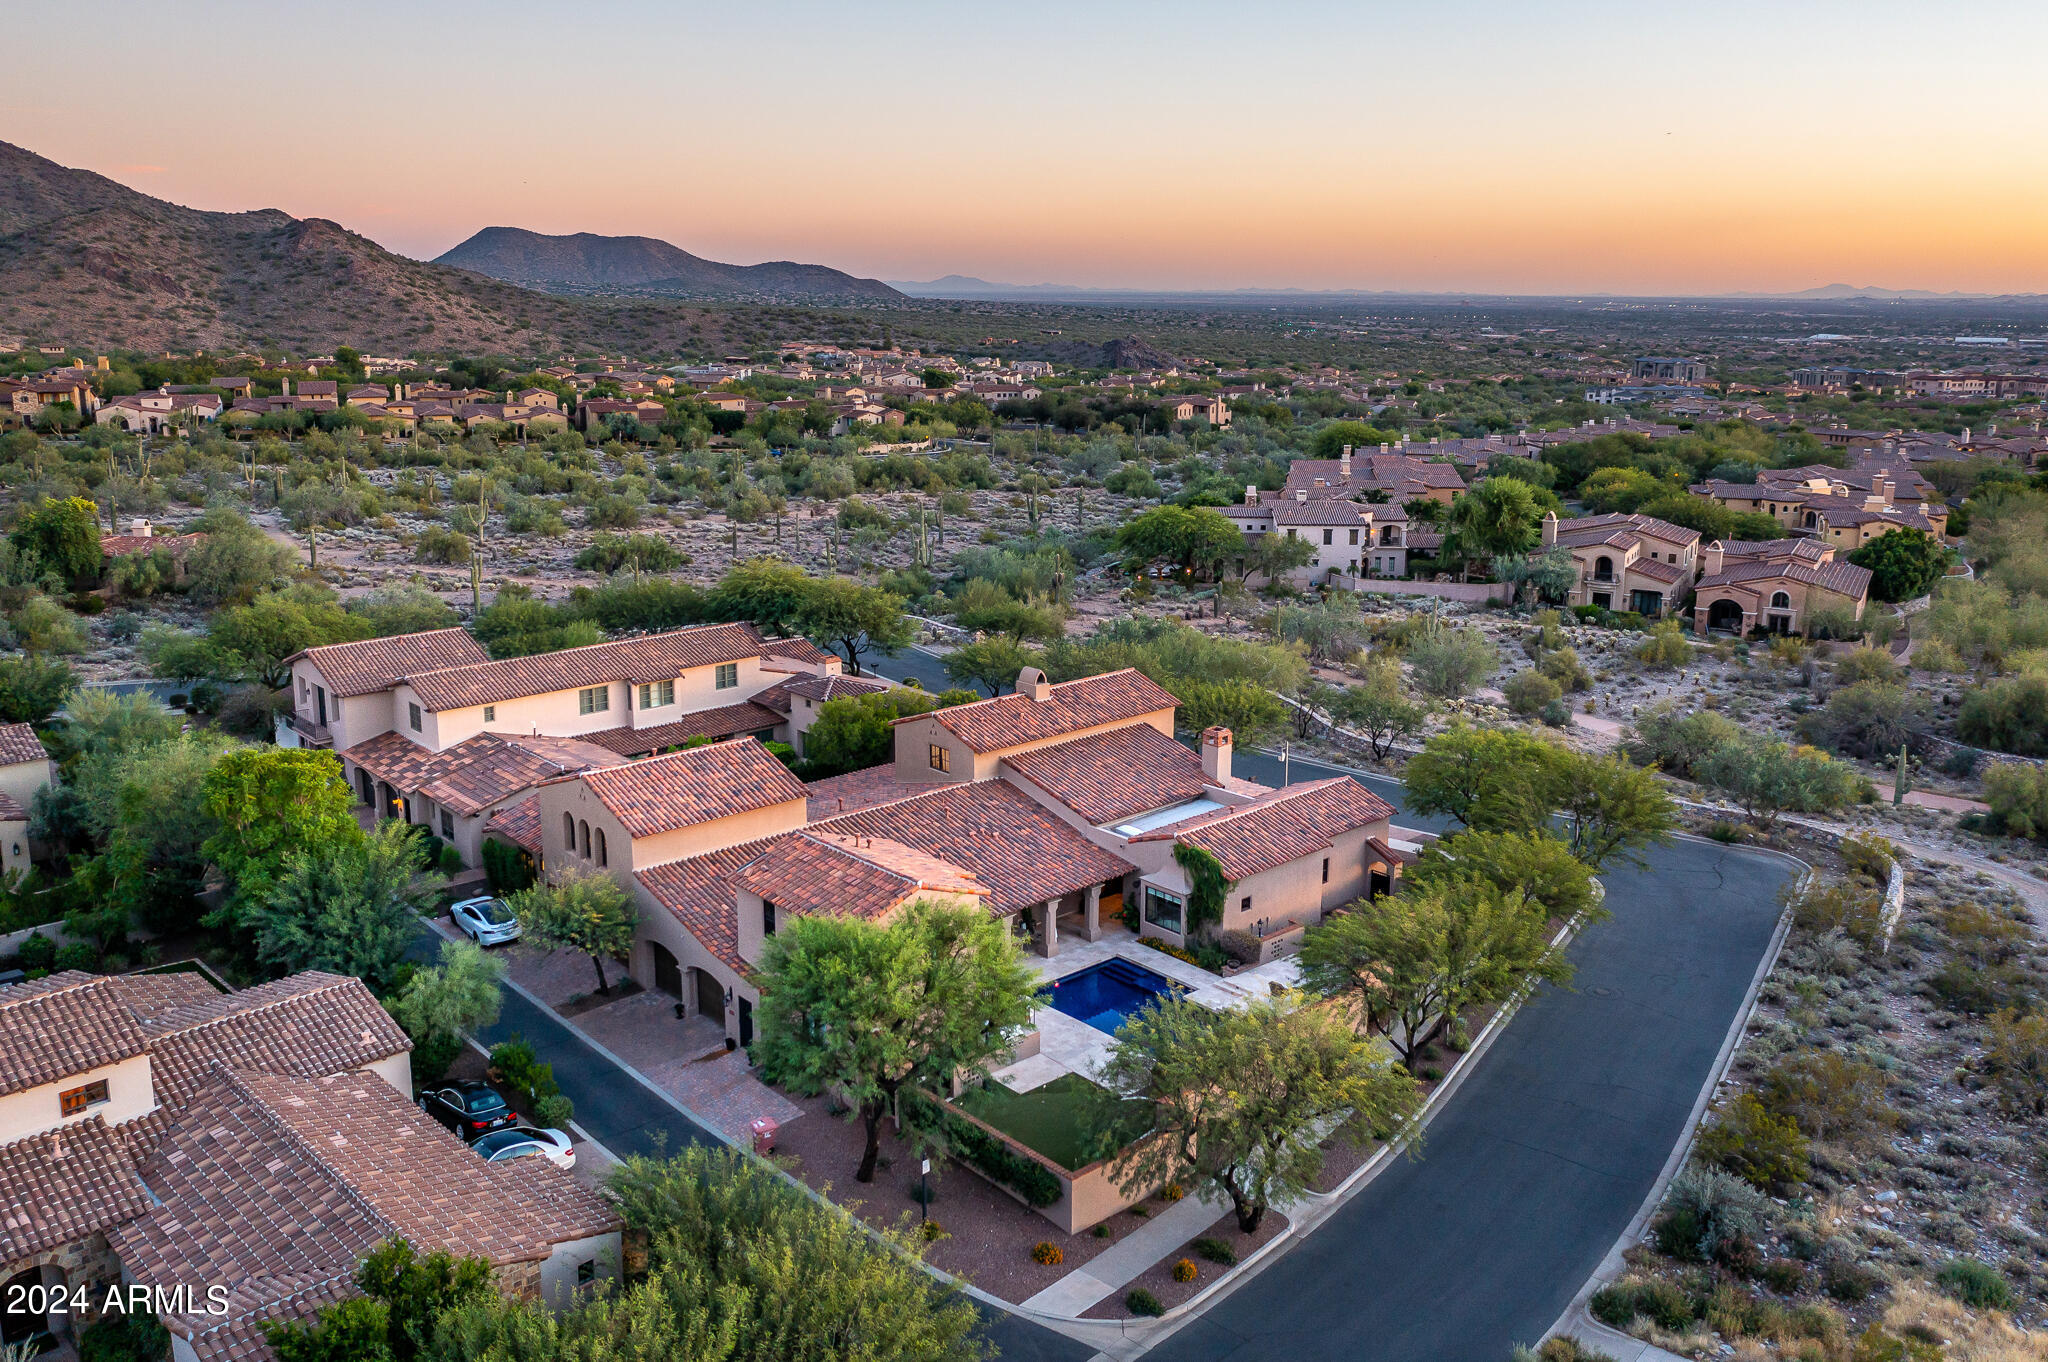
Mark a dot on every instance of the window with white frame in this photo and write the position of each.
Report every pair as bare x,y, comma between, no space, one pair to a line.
655,694
593,699
728,675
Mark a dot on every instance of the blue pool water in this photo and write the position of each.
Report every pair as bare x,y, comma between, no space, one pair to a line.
1109,994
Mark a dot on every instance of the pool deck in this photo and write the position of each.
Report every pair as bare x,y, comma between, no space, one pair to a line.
1070,1045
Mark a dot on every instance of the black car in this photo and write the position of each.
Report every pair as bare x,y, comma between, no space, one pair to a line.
468,1108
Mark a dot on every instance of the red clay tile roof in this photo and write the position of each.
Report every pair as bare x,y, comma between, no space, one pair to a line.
477,772
63,1185
1110,776
375,664
863,789
518,824
699,891
795,650
653,657
723,722
818,689
64,1024
307,1024
1023,853
1280,827
693,786
273,1187
19,743
844,875
1089,702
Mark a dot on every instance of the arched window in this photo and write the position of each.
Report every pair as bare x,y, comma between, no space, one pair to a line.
583,830
1812,519
1781,601
569,831
600,846
1603,567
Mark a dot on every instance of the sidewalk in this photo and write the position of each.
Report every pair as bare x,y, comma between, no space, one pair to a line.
1128,1260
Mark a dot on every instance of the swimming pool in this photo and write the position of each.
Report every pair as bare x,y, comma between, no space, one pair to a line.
1109,994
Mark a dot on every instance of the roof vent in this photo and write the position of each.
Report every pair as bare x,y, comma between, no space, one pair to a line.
1031,681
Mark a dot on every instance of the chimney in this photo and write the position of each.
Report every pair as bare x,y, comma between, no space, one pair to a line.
1251,494
1031,681
1216,747
1710,559
1966,435
508,397
139,527
1383,446
1301,494
1344,464
1549,529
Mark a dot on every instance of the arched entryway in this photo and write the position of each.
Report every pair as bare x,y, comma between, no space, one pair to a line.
1725,614
1603,569
668,971
18,1326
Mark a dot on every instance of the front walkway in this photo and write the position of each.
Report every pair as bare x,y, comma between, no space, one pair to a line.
687,1059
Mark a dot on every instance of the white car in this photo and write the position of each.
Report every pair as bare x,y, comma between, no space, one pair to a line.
518,1142
486,921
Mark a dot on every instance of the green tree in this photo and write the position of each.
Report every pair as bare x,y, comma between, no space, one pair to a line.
1251,712
270,805
2009,715
1274,556
33,687
1244,1097
993,663
350,906
853,732
1679,742
1533,868
1500,516
63,534
1413,962
1193,538
408,608
1379,709
766,592
514,624
868,1010
1903,563
441,1002
583,911
1452,663
1610,807
1483,777
1768,778
234,561
136,801
1665,648
405,1294
853,619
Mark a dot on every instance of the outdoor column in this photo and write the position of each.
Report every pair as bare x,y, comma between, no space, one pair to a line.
1048,943
1092,924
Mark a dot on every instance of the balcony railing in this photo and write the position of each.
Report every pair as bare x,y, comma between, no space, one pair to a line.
310,733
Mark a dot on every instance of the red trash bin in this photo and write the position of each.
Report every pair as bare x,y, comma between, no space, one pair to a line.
764,1128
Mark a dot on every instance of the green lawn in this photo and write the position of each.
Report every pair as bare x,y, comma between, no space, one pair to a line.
1071,1120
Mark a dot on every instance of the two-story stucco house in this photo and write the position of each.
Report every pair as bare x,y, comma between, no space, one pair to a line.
1626,562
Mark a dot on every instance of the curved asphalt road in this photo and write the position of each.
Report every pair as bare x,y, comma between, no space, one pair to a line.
1529,1173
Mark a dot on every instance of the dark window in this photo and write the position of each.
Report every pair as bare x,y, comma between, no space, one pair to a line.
1245,903
412,712
447,824
1327,534
1326,870
569,831
586,1272
490,714
941,757
767,918
727,676
78,1099
583,833
601,859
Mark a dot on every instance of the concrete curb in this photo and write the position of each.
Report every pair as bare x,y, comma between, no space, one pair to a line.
1575,1321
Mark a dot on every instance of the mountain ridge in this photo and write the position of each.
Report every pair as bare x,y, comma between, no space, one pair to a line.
588,262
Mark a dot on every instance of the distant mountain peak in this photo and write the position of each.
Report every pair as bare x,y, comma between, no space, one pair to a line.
585,262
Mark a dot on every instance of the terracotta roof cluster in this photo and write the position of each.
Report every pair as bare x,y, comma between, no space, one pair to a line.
1619,528
63,1185
1106,777
722,722
1008,721
63,1024
1279,827
699,891
652,657
375,664
121,545
19,743
847,875
693,786
1842,578
817,689
275,1186
1401,475
477,772
518,824
863,789
795,650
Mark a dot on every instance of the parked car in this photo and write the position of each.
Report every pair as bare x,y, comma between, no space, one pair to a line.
486,921
518,1142
468,1108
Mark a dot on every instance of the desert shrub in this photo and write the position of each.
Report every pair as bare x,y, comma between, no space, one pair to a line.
2018,796
1215,1250
1614,1305
1829,1095
1870,719
2009,715
1185,1270
1241,946
1452,663
1975,1284
1848,906
1557,714
119,1336
1678,742
1139,1301
1850,1281
1562,665
79,955
1664,1304
509,868
1710,1216
1765,1150
1783,1275
37,952
1932,655
1530,692
1047,1254
1665,648
1869,854
438,544
1856,665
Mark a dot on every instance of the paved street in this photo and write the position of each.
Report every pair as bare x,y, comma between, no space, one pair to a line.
1530,1172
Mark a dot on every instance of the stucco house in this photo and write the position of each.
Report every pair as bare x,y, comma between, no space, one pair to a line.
25,768
1845,508
1351,539
1390,474
1774,585
1626,562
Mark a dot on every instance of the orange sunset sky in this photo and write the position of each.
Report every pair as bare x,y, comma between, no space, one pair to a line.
1470,145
